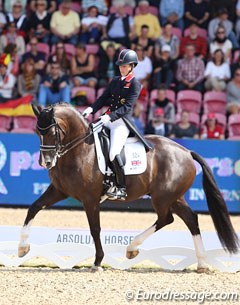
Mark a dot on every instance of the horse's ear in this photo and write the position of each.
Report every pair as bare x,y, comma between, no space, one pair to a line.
36,109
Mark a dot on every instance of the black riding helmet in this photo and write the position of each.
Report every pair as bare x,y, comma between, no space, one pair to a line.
127,57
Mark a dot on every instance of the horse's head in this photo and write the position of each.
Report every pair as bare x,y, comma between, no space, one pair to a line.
60,129
51,134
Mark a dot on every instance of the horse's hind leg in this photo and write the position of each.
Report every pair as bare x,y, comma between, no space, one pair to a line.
181,208
48,198
164,218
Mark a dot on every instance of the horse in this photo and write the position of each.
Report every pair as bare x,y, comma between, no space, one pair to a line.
67,150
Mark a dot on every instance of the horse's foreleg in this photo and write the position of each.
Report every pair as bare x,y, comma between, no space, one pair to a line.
190,218
48,198
93,216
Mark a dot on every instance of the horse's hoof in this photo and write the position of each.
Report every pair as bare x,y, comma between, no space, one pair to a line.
96,269
23,250
202,270
132,254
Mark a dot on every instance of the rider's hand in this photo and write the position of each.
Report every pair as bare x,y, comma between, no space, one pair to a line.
87,111
105,118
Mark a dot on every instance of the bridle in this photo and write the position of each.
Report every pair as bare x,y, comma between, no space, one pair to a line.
60,148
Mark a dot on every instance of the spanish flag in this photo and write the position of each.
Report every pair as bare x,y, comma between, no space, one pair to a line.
16,107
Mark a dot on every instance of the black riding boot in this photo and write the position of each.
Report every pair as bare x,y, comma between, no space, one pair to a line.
120,191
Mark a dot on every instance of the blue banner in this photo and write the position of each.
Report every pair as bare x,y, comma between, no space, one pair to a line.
22,180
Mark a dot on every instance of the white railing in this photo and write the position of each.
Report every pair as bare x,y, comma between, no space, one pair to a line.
157,251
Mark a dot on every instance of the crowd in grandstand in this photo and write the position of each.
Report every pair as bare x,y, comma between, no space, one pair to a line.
188,51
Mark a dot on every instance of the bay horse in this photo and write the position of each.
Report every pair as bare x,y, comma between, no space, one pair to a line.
67,150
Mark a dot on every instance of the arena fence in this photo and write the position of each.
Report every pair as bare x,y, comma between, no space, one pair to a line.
66,248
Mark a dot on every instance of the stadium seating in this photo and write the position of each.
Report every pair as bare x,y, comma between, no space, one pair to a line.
24,124
201,32
69,49
169,93
234,126
5,123
92,48
152,10
41,47
128,10
90,93
194,118
214,101
189,100
177,32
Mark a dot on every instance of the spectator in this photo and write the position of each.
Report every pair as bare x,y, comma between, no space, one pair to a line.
216,5
8,5
146,18
60,56
65,24
12,36
163,68
163,102
37,56
144,41
18,17
119,27
223,21
100,4
169,38
107,68
233,94
137,114
190,70
91,26
13,66
3,21
211,128
197,11
217,72
234,66
39,22
54,88
131,3
184,128
144,68
221,42
28,81
238,20
7,80
171,11
82,67
51,6
157,125
199,42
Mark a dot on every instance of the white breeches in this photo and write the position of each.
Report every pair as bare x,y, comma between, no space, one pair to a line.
118,136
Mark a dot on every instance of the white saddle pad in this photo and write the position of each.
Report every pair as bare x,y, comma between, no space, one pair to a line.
136,158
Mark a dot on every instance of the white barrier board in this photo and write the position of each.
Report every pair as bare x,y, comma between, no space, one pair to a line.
168,249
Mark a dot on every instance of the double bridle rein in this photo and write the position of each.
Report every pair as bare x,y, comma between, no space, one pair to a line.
60,148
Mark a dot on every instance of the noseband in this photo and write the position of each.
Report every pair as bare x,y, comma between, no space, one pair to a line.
59,148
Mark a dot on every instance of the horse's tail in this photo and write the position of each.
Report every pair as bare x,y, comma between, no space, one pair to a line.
217,208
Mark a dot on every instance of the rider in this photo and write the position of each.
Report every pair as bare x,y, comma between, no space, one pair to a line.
120,96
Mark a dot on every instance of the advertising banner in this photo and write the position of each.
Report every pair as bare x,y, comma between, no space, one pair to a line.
22,180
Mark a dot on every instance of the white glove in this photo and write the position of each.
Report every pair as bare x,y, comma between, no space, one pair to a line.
105,118
87,111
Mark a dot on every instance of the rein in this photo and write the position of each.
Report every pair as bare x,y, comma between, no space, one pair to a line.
59,148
